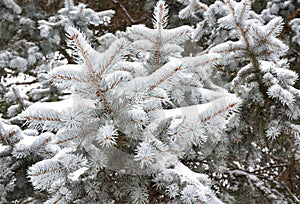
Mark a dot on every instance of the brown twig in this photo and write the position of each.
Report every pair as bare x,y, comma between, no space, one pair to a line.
164,78
219,112
158,42
110,61
42,119
90,69
68,78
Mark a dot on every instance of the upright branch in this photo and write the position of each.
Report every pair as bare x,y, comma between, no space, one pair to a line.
111,56
157,56
91,72
239,23
155,46
192,8
240,19
69,4
159,21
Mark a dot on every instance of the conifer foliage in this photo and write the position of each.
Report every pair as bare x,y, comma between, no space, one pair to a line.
146,122
119,108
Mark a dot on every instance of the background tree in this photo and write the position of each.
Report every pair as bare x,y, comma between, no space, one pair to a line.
28,51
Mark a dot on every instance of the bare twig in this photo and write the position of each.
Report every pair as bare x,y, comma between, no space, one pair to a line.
133,21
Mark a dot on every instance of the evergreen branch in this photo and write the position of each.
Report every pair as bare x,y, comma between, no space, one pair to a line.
190,84
5,153
231,49
215,59
46,141
235,57
243,72
244,36
256,172
143,36
113,57
68,75
67,139
113,85
158,42
44,173
200,6
58,200
243,12
176,36
19,83
68,78
90,69
42,119
11,134
274,45
265,41
265,53
17,152
166,77
230,6
69,4
186,175
273,29
204,112
228,107
239,23
157,54
276,28
17,165
160,16
142,49
159,21
193,7
167,53
47,171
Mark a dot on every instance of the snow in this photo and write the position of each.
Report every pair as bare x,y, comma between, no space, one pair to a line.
237,172
190,112
20,81
21,78
27,140
58,105
237,164
254,178
190,177
3,148
64,104
62,152
76,174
